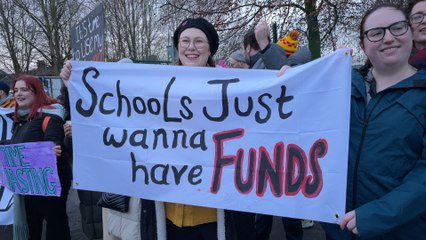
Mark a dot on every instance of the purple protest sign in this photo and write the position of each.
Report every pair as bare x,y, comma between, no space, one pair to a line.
30,169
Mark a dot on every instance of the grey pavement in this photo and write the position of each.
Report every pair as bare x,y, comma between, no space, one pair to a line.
314,233
74,217
73,220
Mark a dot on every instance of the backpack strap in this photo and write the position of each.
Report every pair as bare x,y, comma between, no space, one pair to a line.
45,122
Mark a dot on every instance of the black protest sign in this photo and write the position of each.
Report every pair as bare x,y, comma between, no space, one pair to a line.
88,38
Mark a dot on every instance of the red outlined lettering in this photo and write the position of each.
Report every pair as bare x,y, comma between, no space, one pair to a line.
288,171
219,159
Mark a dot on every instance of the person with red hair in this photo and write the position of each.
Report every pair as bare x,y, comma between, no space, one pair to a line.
37,118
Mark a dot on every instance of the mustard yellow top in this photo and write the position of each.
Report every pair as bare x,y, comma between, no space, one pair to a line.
188,216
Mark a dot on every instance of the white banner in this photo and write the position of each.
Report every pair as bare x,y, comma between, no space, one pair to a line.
225,138
6,197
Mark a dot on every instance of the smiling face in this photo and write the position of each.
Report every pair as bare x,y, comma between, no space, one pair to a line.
23,95
419,29
392,51
193,48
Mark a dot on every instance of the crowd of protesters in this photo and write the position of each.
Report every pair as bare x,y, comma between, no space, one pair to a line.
386,181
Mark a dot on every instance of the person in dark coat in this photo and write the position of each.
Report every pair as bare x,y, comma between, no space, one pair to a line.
261,52
33,106
417,11
386,187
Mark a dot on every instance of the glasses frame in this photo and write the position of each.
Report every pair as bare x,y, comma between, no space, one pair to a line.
387,28
198,43
419,22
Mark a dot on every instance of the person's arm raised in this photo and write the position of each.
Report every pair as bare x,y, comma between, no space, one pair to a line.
66,72
261,32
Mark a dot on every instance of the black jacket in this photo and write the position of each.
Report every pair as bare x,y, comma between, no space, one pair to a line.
31,131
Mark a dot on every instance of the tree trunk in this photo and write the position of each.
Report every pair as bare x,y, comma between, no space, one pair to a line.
313,28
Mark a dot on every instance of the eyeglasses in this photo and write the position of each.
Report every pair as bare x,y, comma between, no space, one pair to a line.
199,43
417,18
396,29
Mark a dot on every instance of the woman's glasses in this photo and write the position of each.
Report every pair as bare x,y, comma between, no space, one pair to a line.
396,29
417,18
198,43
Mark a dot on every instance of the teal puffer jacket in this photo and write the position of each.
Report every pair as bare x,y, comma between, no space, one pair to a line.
387,161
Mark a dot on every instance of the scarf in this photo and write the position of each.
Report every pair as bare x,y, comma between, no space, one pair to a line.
20,224
55,109
418,58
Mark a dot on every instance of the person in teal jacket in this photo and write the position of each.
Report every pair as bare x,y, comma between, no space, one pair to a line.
386,188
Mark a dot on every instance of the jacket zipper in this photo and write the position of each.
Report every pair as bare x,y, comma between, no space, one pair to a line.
361,145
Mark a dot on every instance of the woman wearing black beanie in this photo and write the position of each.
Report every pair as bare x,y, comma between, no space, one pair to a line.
196,41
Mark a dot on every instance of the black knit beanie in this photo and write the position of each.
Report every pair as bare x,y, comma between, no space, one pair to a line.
204,26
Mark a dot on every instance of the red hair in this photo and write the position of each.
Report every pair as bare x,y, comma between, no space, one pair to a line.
41,99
